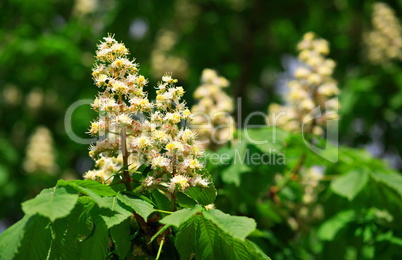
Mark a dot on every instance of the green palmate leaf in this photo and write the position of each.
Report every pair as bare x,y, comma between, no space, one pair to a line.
141,207
238,227
255,148
389,178
232,174
121,238
94,247
351,183
115,213
180,216
96,187
90,188
10,239
266,139
257,251
36,241
331,227
390,238
52,203
199,238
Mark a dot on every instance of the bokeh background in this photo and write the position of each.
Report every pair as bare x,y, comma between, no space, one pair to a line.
47,50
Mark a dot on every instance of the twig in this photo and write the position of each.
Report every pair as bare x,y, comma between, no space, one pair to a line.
160,248
163,211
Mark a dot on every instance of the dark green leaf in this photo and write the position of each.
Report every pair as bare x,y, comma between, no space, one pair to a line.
36,242
94,247
200,239
10,239
161,201
96,187
185,201
202,195
90,188
121,238
65,231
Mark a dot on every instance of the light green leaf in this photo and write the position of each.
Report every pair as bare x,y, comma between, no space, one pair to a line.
351,183
238,165
180,216
52,203
238,227
89,188
389,237
96,187
266,139
141,207
121,238
10,239
331,227
115,213
201,195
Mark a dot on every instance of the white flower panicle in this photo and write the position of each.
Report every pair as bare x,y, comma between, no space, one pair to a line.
175,157
148,133
107,167
313,86
40,152
118,78
212,120
384,41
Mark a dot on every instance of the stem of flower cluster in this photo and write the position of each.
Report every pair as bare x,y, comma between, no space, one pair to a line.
123,146
126,174
174,198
